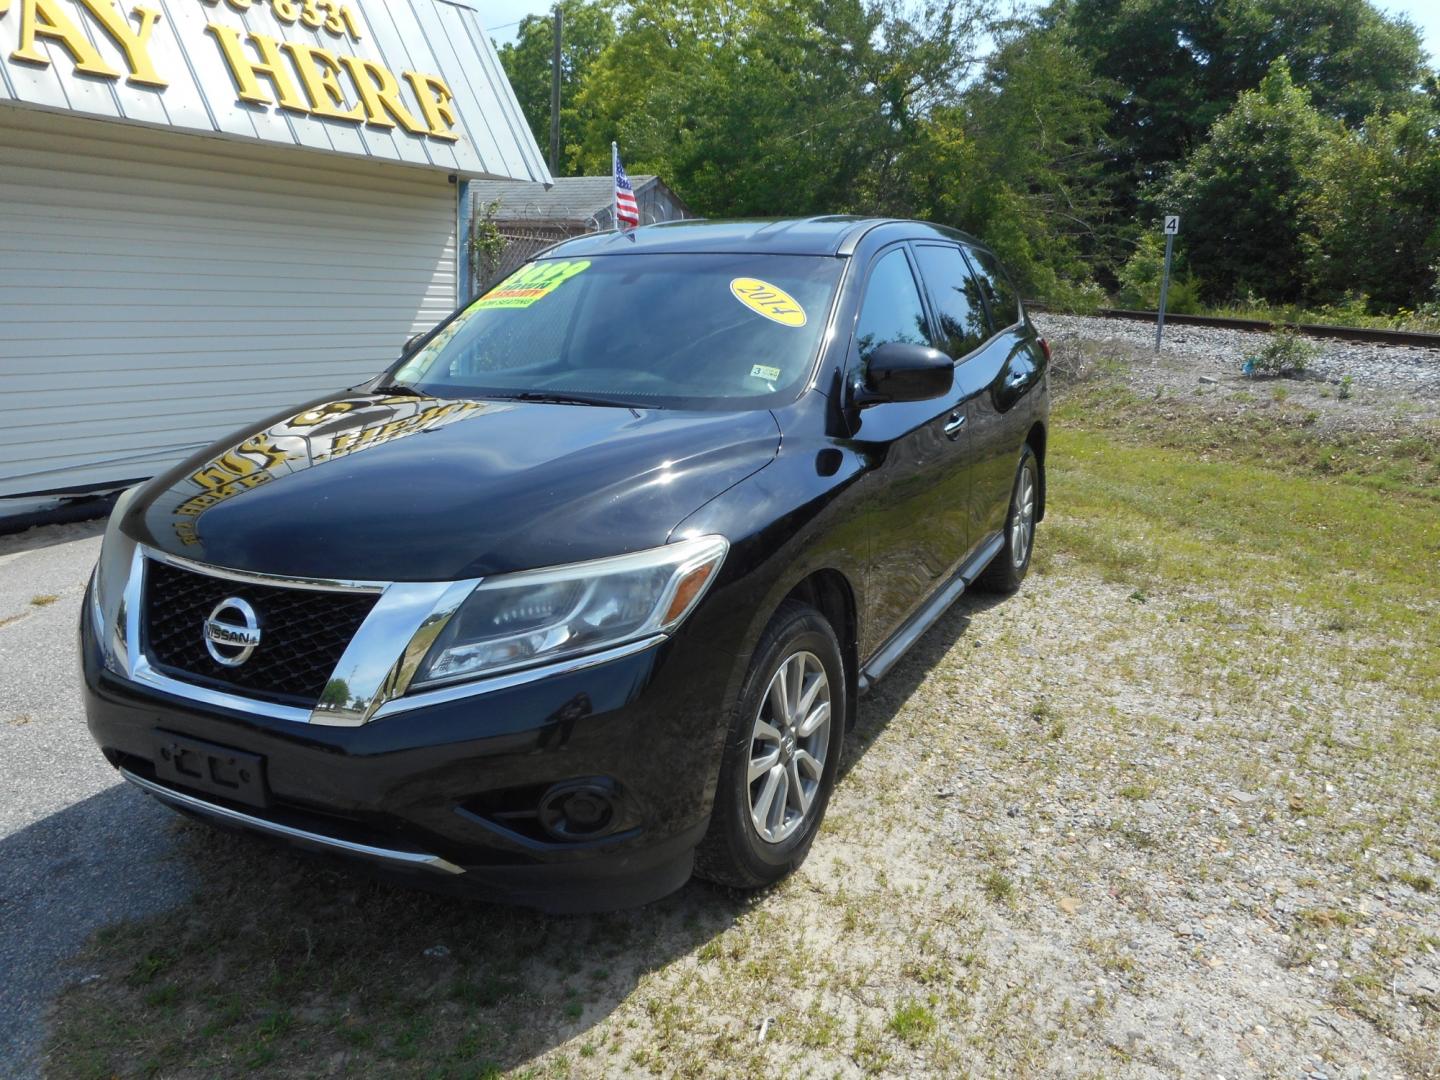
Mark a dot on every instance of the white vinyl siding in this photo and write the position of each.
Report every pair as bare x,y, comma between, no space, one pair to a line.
160,290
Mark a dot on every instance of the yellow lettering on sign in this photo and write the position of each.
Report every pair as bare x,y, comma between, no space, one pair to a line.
133,42
319,71
251,57
436,102
272,65
381,95
45,19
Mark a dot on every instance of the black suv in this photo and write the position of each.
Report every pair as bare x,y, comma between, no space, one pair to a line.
578,597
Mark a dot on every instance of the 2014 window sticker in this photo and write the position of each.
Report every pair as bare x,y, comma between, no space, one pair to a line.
771,301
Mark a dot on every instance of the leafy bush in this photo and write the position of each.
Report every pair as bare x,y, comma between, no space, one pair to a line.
1086,298
1141,274
1284,353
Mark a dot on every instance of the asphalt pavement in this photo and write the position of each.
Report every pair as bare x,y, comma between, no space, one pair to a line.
78,848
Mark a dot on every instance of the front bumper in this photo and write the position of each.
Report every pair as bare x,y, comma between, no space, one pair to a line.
444,791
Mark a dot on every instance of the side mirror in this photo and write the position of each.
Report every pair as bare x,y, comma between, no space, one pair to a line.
900,371
410,344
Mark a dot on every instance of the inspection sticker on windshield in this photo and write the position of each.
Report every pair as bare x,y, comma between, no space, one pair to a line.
530,283
769,374
769,300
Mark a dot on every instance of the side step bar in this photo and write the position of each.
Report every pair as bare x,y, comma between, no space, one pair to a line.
874,669
408,859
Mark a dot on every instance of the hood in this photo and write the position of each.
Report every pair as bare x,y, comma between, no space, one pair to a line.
380,488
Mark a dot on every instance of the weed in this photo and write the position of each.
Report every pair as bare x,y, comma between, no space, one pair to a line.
1419,882
912,1022
999,888
1284,353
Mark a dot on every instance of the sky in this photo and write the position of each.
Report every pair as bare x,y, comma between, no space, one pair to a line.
501,18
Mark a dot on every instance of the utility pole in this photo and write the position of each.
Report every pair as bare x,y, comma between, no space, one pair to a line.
555,96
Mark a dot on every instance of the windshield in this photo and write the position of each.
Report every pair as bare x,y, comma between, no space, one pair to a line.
662,330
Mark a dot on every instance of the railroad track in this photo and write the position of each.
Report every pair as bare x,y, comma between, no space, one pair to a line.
1410,338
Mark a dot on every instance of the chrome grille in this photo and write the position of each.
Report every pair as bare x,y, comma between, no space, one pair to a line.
304,632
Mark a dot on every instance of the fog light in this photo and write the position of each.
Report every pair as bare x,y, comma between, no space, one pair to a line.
578,809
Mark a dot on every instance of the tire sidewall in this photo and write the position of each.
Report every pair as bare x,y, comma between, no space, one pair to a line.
806,631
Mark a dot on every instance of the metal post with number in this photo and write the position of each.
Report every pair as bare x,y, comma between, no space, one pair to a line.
1172,227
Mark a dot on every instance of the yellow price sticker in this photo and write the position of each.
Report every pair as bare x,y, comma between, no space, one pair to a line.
768,300
530,283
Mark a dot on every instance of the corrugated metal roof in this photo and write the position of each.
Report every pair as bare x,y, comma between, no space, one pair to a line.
188,82
572,198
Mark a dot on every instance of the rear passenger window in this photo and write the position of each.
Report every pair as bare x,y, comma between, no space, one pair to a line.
1004,300
892,310
961,311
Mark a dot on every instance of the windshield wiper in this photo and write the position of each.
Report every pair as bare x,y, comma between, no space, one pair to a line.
399,388
548,398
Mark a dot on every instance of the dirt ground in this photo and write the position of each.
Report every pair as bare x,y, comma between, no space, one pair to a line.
1171,810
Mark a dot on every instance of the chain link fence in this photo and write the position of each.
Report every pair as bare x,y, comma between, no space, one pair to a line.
526,232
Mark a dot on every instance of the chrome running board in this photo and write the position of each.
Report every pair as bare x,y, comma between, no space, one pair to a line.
928,614
409,859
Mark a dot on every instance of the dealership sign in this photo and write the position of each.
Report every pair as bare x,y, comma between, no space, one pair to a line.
414,82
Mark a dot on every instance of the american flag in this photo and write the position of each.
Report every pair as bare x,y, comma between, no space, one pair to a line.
627,210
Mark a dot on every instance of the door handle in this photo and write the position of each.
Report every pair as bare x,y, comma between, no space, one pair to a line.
954,424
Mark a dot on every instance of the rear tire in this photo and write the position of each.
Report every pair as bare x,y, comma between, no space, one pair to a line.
781,755
1009,567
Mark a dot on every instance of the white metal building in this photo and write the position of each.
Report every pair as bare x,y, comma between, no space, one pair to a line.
213,209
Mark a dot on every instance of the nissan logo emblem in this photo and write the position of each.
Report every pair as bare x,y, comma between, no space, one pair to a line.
231,632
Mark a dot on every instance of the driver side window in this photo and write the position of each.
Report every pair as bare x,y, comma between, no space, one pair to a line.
891,310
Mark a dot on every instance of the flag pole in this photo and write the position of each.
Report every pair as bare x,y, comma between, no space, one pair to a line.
614,187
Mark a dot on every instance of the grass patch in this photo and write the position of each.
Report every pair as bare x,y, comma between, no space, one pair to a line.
1398,457
1163,519
998,888
1421,883
912,1023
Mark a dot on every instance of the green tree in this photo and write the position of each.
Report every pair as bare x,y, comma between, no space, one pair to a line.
748,107
1032,184
1245,192
1181,64
587,29
1374,219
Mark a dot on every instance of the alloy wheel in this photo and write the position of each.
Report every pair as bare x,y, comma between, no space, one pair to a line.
1022,517
788,745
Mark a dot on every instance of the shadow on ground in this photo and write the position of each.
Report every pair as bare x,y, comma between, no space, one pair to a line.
296,964
104,859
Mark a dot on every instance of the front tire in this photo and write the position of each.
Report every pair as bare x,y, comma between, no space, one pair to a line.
781,756
1009,567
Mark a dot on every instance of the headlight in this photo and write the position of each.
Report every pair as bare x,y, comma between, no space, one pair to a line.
107,586
540,616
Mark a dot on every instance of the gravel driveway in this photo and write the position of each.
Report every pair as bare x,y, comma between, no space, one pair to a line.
76,851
